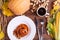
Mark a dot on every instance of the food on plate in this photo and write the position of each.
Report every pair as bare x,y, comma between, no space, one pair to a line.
21,31
19,7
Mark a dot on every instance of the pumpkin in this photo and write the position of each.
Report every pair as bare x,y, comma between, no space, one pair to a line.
19,7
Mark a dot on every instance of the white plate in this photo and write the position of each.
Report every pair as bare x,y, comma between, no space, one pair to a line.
19,20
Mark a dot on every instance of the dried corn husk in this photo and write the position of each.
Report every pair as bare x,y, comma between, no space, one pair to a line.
1,3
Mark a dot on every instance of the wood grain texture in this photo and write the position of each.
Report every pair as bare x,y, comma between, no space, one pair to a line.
6,20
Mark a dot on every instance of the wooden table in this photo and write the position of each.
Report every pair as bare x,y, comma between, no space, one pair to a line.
6,20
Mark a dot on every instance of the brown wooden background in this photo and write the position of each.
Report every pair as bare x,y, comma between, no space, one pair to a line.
5,21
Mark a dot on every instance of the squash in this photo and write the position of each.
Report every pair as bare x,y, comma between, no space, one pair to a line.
19,7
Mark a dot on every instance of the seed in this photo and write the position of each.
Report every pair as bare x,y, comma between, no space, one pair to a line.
32,11
31,3
32,0
36,2
34,7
